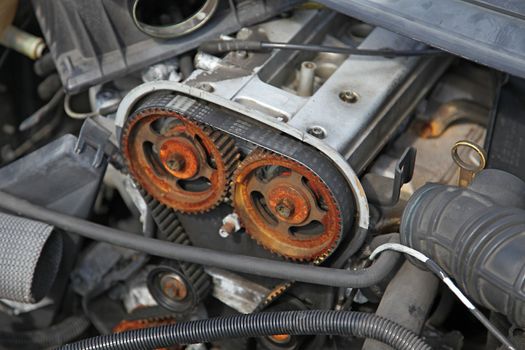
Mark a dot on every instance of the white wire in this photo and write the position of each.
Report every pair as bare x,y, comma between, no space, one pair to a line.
399,248
423,258
443,276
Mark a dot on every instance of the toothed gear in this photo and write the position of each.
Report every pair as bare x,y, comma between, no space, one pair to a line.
129,325
182,164
275,293
285,207
281,288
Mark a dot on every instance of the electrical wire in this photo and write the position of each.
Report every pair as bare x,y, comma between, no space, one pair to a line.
223,46
438,271
77,115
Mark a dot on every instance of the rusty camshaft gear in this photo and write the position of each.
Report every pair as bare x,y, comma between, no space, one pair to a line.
184,165
286,207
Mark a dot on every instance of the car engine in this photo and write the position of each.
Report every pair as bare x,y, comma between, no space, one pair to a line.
244,174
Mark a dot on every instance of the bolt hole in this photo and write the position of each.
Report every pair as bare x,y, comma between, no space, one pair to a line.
348,96
317,131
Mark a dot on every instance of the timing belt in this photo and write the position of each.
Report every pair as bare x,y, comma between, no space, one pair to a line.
261,135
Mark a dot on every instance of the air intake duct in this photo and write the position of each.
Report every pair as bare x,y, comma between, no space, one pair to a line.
30,255
477,234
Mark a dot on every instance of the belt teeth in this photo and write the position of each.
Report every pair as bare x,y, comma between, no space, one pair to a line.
231,156
229,152
172,231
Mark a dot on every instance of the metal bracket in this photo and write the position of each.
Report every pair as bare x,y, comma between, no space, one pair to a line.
97,136
385,191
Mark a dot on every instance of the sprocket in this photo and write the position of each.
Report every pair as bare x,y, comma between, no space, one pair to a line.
182,164
286,207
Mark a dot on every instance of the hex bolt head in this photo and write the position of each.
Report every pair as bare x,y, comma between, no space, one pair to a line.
176,163
349,96
230,225
285,209
173,287
317,131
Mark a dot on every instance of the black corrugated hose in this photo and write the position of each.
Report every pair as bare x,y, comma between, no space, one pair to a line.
56,335
344,323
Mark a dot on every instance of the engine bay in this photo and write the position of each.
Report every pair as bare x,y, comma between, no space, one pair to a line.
239,175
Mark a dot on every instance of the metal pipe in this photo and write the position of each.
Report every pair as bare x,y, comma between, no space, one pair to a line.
23,42
305,86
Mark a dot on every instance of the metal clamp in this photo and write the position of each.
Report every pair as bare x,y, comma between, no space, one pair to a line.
97,136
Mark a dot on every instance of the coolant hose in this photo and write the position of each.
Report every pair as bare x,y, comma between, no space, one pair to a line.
367,277
56,335
343,323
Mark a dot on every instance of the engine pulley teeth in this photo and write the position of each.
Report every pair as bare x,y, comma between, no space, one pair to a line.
182,164
285,207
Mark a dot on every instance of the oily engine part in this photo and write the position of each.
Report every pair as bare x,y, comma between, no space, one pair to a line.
183,165
285,207
477,234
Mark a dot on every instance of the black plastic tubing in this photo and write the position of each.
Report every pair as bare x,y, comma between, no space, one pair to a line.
344,323
256,266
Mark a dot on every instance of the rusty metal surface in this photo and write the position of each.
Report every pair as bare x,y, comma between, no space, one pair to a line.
181,164
285,207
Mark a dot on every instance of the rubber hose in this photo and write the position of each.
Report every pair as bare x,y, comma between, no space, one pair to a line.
56,335
208,257
343,323
407,300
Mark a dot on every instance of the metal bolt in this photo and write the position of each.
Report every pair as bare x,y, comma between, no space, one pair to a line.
174,287
176,163
317,131
285,208
227,229
230,225
349,96
244,33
